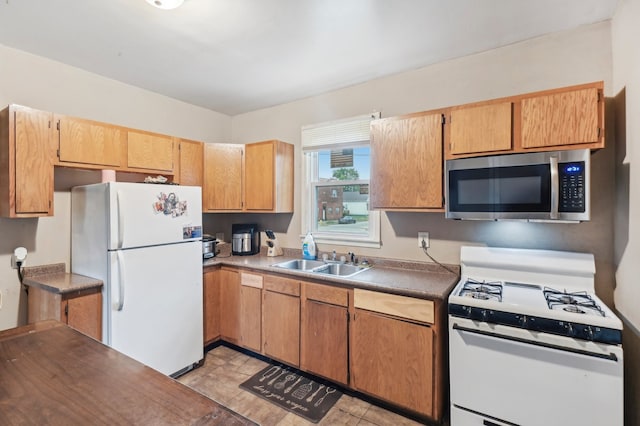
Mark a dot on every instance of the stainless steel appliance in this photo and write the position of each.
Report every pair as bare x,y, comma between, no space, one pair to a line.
208,246
530,343
245,239
536,186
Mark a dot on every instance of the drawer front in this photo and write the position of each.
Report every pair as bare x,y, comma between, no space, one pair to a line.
282,285
327,294
250,280
400,306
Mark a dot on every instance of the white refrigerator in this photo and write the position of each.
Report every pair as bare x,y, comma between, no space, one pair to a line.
144,242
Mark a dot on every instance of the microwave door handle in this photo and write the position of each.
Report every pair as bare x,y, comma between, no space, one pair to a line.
555,188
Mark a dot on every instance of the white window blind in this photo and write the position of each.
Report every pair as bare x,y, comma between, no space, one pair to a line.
334,134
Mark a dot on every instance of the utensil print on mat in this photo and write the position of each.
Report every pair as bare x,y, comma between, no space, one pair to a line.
270,372
327,392
313,395
275,378
293,385
303,390
281,384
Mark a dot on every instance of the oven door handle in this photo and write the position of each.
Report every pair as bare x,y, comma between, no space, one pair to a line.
610,356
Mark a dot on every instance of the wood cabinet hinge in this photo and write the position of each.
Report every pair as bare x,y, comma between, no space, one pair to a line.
599,132
444,119
58,152
599,96
58,125
66,310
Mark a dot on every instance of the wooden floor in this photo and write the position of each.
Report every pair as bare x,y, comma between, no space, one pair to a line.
224,369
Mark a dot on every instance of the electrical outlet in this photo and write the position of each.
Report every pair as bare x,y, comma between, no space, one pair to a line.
423,236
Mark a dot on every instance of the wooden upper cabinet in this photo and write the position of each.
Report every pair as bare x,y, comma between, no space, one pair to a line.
564,118
222,186
406,162
269,176
86,142
27,152
190,163
150,151
480,129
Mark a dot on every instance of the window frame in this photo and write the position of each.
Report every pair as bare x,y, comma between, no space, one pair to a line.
311,183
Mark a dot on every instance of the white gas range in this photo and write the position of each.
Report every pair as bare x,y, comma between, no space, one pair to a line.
530,342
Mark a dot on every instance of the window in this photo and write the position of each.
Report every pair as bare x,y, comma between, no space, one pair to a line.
337,165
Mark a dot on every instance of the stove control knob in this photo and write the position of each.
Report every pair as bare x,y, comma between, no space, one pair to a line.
589,331
485,315
523,321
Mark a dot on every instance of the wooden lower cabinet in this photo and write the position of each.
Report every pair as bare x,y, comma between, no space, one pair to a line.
281,319
211,306
80,309
230,305
251,311
392,359
324,333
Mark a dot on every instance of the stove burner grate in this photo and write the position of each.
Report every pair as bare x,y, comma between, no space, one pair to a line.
482,290
575,302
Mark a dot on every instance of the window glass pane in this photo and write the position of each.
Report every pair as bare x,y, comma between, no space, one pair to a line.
346,212
348,164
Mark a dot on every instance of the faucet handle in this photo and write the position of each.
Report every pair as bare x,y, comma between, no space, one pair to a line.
352,257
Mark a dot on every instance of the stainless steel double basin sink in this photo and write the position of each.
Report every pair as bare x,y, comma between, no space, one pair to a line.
317,266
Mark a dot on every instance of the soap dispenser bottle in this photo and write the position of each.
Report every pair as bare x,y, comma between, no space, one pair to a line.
309,247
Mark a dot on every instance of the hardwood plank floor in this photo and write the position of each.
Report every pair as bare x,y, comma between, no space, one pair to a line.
224,369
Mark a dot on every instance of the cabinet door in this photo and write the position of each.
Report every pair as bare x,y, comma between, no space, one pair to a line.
324,338
478,129
230,305
281,327
222,188
84,313
393,360
259,176
190,163
563,118
211,306
149,151
406,162
90,142
250,318
34,158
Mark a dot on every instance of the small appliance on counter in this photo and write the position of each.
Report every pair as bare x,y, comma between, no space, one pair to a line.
272,247
208,246
245,239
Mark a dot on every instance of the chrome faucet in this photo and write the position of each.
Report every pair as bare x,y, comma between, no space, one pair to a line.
333,255
352,258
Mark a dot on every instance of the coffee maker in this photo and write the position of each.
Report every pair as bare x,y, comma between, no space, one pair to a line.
245,239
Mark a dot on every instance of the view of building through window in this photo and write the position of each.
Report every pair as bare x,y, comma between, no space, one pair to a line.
342,191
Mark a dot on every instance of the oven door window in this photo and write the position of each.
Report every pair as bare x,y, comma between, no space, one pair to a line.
501,189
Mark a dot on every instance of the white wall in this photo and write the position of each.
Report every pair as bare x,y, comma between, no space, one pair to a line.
579,56
625,32
44,84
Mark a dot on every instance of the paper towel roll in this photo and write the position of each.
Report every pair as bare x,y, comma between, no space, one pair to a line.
108,176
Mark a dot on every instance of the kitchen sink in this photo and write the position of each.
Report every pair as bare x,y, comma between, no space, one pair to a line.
320,267
300,264
340,269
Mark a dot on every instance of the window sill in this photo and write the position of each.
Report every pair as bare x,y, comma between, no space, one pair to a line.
344,240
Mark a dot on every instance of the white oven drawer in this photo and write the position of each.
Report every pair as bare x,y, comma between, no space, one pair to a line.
518,382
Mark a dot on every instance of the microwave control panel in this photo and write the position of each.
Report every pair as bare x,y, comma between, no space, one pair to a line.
572,187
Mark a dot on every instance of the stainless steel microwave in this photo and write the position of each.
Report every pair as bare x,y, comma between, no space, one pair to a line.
536,186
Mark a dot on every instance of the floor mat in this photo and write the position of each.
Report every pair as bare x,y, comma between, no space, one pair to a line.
292,391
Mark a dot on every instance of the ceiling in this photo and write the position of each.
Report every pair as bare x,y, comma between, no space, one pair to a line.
235,56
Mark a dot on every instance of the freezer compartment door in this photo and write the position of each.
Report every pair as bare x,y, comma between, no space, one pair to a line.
150,214
155,305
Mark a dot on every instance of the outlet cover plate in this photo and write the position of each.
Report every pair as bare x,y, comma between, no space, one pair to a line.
423,236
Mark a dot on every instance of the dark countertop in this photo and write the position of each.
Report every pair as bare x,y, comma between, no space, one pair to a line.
415,279
52,374
54,279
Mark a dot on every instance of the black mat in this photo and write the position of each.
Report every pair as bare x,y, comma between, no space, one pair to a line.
292,391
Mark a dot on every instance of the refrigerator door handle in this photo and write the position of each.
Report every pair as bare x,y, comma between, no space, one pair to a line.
120,303
120,220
